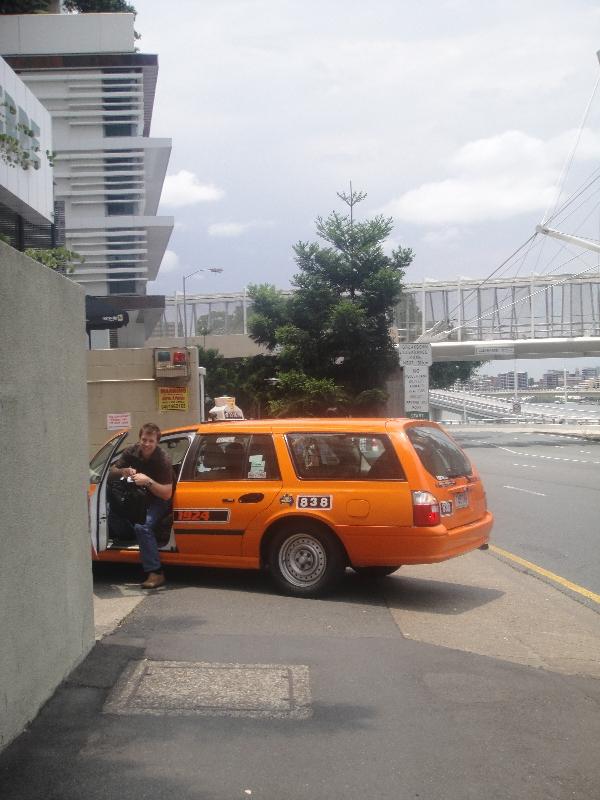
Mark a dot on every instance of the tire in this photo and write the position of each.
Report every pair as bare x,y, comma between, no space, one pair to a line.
305,560
374,572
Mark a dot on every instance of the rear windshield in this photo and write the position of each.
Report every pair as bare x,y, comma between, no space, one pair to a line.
344,456
440,456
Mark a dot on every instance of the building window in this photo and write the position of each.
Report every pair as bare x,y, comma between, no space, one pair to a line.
125,286
119,129
120,205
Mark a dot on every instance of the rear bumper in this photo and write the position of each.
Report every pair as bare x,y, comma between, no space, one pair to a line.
417,545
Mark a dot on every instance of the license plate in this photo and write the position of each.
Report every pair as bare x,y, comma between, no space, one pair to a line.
461,500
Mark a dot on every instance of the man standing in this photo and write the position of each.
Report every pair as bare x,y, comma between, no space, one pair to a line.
149,466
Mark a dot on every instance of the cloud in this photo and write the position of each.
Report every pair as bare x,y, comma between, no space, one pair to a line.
442,237
170,261
231,230
494,179
184,189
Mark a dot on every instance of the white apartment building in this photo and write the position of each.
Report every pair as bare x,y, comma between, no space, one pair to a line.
26,196
108,171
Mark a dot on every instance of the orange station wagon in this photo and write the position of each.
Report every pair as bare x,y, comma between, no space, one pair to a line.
306,498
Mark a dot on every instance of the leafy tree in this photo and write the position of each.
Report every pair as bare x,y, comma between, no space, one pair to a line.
244,378
443,374
299,395
334,328
59,258
98,6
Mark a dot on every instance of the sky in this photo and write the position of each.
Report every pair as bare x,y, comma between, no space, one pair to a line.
455,116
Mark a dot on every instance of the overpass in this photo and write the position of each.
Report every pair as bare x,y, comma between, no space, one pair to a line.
471,406
506,318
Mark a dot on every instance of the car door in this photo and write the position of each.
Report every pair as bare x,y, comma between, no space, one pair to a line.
176,446
99,466
227,481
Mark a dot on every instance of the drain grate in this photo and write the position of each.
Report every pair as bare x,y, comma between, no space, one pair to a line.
177,688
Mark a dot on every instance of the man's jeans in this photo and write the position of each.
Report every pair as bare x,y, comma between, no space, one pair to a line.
144,532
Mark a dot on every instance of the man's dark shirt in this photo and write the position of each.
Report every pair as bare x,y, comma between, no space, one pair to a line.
158,467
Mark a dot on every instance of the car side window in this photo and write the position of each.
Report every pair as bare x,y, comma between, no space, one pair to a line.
237,457
344,456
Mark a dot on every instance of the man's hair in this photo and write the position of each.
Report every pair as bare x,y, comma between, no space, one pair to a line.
150,427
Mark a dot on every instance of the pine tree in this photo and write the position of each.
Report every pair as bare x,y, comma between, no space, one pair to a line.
335,326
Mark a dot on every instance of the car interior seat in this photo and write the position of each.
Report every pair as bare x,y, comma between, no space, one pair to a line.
234,459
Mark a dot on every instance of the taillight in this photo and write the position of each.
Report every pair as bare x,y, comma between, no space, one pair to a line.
426,509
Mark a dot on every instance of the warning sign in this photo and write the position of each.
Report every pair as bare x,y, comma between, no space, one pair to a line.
173,398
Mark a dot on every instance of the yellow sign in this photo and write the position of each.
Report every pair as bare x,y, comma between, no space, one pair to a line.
173,398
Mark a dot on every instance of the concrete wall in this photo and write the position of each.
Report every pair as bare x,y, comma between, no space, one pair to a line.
121,381
229,345
46,619
67,33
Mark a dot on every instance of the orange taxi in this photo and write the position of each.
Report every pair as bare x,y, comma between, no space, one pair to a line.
306,498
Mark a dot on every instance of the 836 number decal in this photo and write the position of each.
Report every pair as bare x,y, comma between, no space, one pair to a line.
314,501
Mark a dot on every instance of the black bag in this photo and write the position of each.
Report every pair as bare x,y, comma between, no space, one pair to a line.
128,500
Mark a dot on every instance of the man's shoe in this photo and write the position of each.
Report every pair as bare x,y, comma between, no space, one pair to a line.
154,580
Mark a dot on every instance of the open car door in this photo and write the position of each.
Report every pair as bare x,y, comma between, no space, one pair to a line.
99,466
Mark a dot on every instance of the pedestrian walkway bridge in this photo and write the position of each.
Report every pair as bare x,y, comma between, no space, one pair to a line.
520,317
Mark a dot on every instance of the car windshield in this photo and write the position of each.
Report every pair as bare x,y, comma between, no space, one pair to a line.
440,456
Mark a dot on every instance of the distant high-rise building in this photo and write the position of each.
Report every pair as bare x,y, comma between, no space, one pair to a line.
108,171
506,380
590,372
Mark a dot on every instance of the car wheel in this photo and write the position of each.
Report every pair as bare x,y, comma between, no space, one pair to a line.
305,560
374,572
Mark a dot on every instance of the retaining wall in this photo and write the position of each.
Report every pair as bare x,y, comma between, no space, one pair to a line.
46,614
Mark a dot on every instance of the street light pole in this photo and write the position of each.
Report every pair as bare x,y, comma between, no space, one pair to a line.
216,270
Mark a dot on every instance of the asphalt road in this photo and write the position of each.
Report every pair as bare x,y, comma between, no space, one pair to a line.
451,682
544,490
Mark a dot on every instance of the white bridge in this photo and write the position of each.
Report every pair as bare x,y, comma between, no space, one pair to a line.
470,406
523,317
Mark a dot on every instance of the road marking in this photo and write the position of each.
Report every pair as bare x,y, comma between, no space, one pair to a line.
528,491
547,458
574,587
526,466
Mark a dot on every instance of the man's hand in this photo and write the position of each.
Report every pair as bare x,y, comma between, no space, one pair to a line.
140,479
128,472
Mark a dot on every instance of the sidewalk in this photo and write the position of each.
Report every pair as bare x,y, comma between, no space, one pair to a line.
479,603
113,603
584,431
463,680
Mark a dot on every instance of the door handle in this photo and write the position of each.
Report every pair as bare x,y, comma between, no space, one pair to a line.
228,499
252,497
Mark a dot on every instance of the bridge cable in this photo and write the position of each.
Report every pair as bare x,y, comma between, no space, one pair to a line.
546,218
569,161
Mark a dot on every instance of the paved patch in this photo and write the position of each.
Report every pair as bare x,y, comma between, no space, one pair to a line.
179,688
